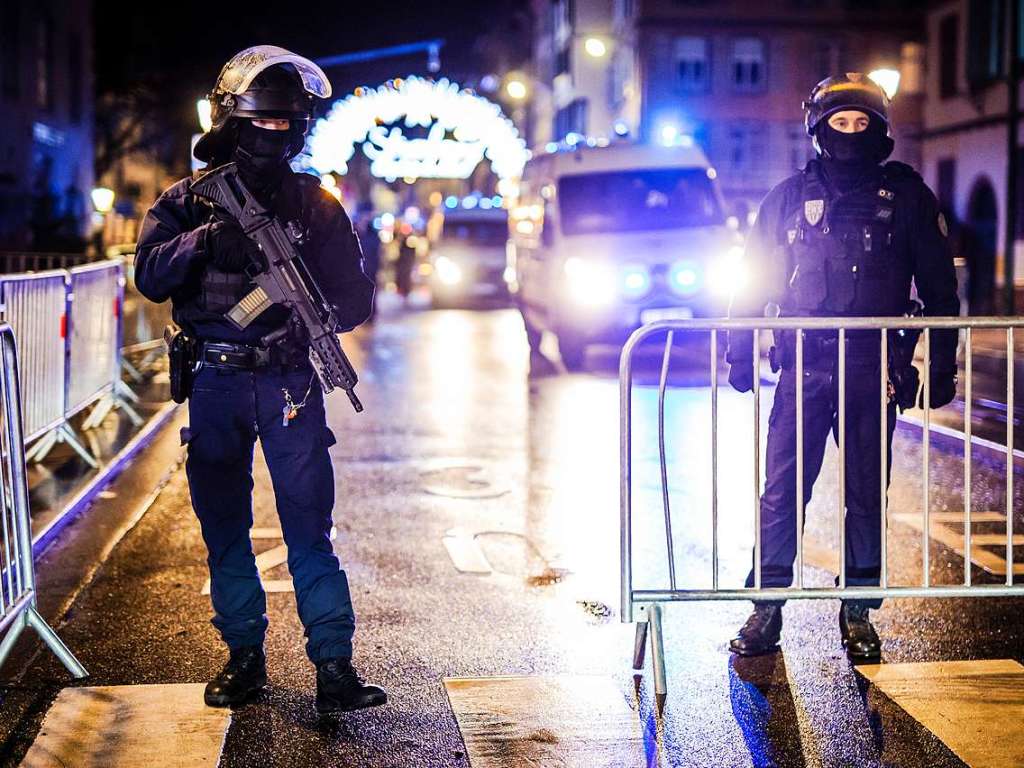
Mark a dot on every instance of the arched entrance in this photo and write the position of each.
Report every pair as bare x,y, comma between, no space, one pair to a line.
979,246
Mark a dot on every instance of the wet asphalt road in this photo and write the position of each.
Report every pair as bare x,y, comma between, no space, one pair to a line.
463,430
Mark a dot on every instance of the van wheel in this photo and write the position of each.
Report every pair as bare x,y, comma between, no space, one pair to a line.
573,351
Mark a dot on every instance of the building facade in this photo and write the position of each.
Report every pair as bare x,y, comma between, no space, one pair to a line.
732,74
965,139
46,117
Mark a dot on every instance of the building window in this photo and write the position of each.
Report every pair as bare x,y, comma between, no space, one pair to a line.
44,63
10,51
985,42
829,58
748,71
692,64
946,184
949,54
571,119
800,147
746,147
75,74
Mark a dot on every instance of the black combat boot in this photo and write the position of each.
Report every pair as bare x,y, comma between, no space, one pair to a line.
859,638
339,688
761,632
243,676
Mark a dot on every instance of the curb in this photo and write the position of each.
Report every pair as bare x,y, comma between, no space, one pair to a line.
81,500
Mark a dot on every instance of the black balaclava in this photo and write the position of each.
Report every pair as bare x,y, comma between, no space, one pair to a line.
851,159
262,155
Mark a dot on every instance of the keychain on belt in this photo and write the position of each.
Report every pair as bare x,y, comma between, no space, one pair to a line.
291,408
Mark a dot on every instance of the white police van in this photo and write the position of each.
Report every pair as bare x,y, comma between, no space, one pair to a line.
605,239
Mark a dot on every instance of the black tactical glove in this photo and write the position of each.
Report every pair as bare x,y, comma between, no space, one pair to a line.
942,389
228,247
741,376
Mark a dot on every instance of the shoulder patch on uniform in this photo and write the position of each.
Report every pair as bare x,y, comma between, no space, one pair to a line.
814,210
943,226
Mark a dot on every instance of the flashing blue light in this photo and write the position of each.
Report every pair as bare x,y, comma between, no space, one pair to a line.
636,281
621,129
669,134
469,202
451,202
551,147
485,203
572,138
496,201
684,277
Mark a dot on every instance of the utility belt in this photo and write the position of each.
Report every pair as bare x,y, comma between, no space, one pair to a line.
188,355
821,348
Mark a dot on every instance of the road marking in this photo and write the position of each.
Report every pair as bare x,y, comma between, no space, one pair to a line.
463,479
270,559
991,560
976,708
551,721
465,552
130,726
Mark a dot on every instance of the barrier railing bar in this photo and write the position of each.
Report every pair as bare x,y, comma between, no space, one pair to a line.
829,323
757,457
799,457
714,459
968,402
666,502
926,559
824,593
1009,455
883,451
842,457
625,479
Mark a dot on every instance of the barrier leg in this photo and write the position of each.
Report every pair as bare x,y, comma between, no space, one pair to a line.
658,656
99,412
640,644
61,651
42,446
13,633
67,435
123,398
131,370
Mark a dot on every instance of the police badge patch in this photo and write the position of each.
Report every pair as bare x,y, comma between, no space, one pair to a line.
813,211
943,227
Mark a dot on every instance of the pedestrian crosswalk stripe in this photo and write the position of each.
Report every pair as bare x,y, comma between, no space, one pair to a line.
975,707
570,720
130,726
987,552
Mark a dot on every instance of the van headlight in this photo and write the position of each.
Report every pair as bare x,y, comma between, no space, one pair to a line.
728,274
448,272
684,278
590,284
636,281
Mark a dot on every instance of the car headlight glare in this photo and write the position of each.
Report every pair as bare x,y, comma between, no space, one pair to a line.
728,274
448,272
684,278
636,281
590,284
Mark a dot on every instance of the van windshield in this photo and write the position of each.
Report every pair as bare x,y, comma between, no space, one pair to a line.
629,201
476,232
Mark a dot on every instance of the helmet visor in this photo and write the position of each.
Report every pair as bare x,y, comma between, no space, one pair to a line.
238,74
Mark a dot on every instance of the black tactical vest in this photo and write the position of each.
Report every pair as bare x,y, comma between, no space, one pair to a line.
841,253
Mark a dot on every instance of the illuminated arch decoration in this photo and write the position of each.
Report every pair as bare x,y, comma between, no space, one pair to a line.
462,129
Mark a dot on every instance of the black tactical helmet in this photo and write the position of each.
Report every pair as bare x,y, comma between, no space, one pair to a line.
261,82
850,91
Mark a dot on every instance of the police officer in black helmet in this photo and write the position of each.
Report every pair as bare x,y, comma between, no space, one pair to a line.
201,260
847,236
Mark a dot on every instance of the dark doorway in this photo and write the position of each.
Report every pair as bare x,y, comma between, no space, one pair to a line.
980,237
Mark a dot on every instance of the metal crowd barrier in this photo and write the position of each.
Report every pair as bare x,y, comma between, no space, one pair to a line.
648,601
68,327
18,609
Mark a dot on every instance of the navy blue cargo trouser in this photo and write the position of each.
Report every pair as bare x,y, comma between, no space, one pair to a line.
228,410
863,467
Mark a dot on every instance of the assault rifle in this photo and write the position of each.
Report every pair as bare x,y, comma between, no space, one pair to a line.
285,280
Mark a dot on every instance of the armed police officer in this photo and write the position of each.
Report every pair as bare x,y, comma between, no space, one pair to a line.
847,237
244,388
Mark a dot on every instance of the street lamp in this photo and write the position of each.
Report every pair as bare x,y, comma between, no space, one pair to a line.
102,200
887,79
595,47
205,110
515,89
